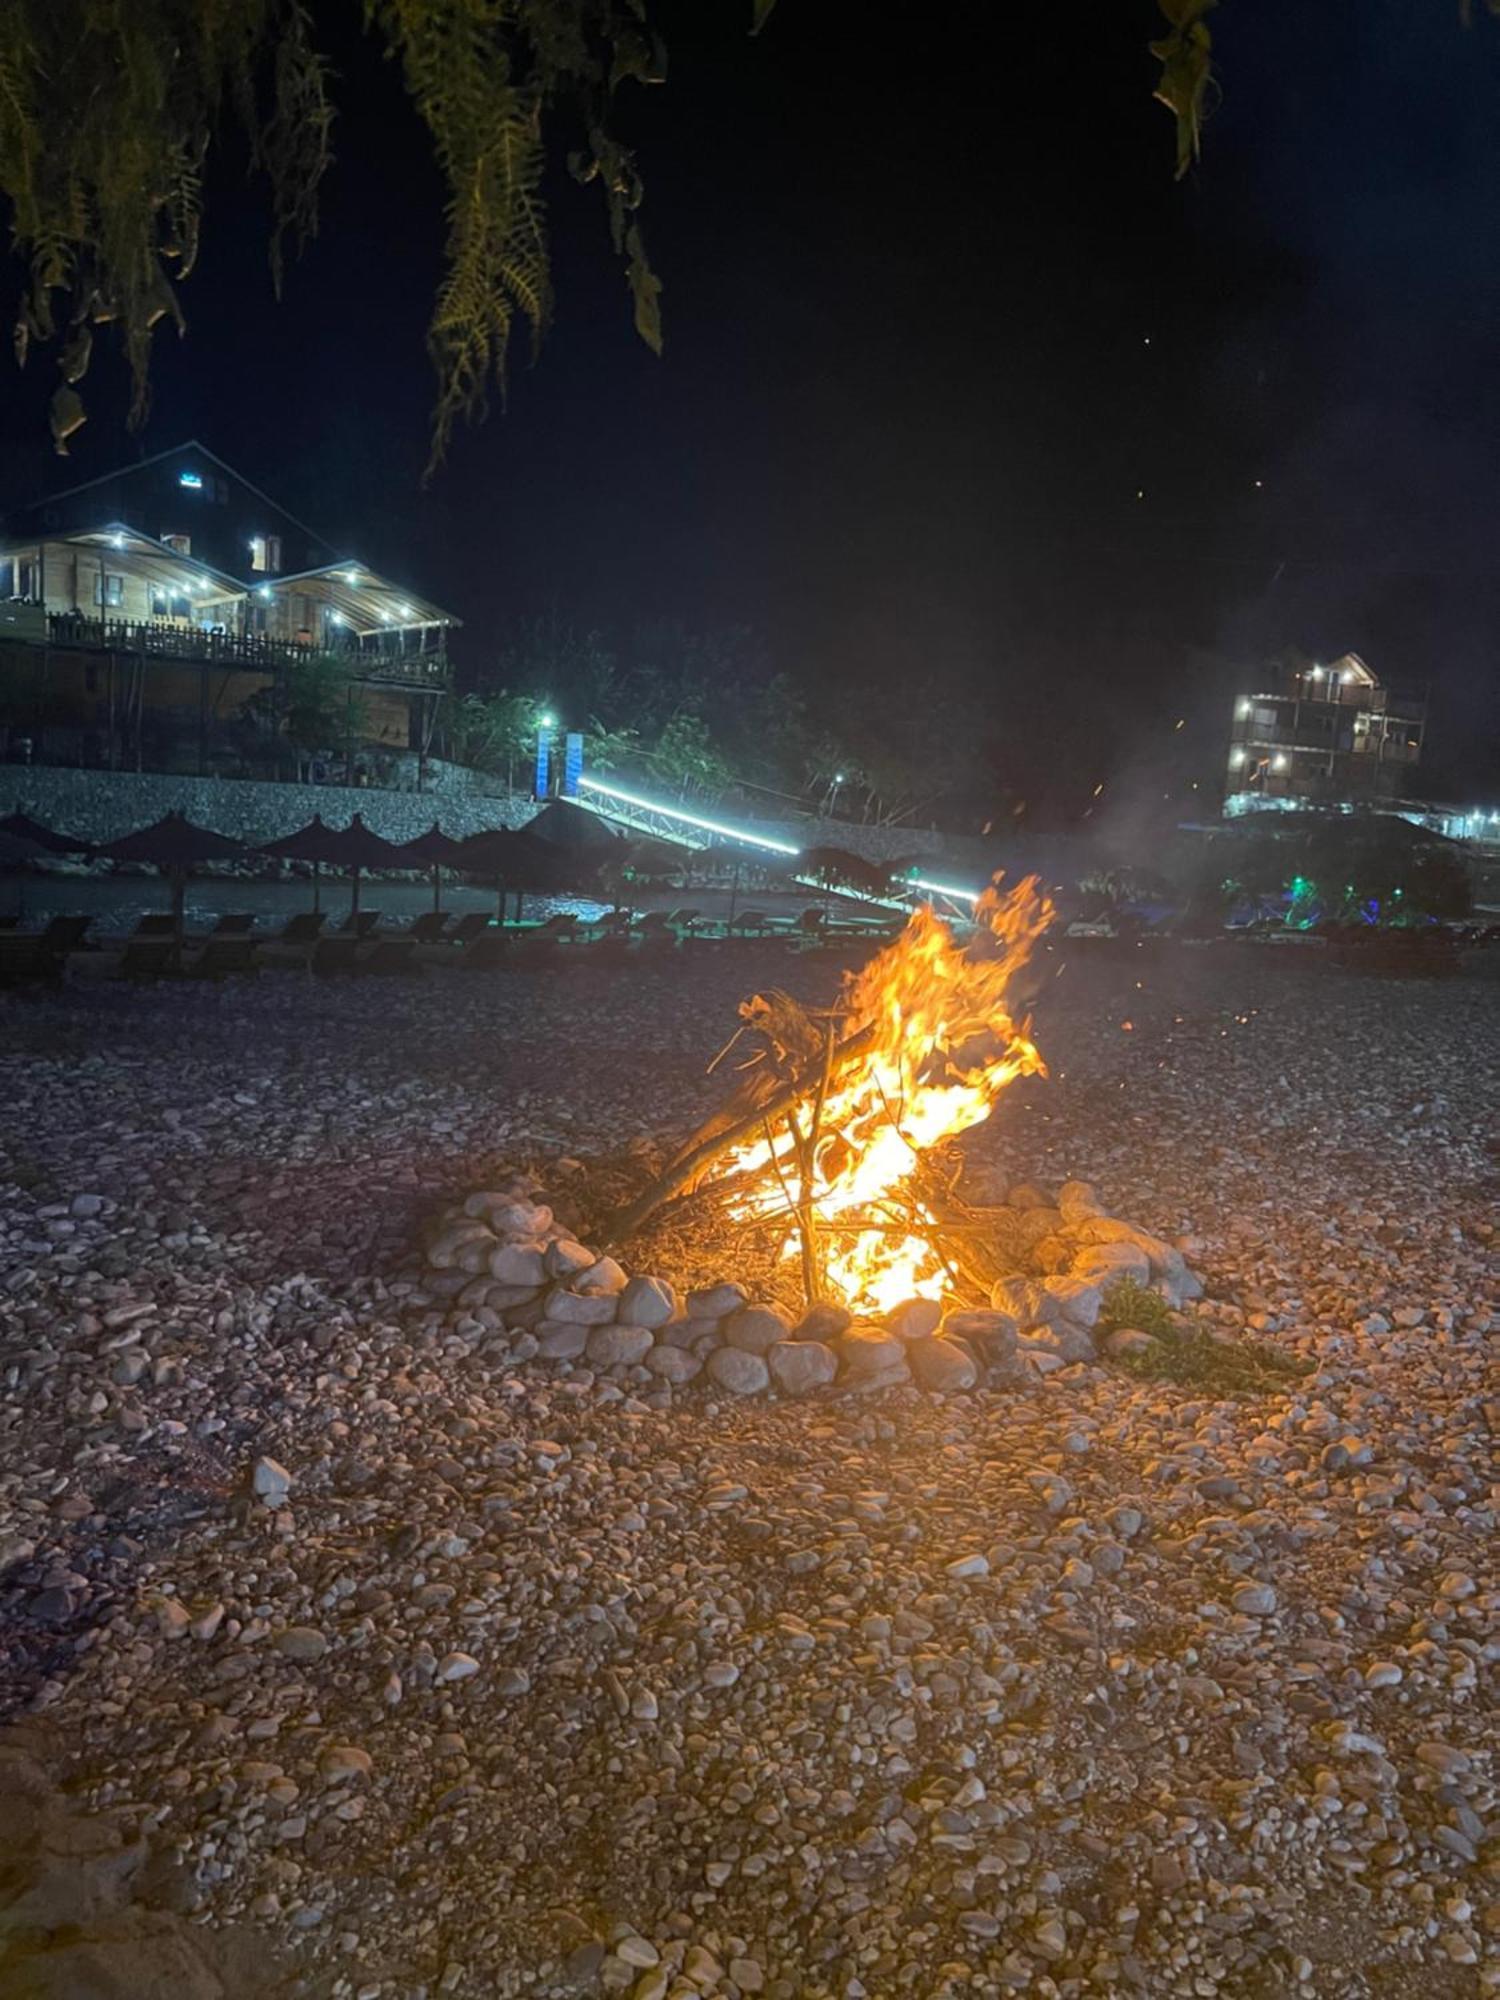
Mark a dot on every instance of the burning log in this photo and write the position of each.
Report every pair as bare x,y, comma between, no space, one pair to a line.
836,1136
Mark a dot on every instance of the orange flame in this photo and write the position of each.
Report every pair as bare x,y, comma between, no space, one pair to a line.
942,1047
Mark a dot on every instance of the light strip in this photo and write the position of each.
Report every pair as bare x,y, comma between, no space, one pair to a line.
943,889
749,839
689,819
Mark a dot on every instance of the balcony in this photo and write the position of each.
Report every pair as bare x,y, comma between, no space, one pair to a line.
393,659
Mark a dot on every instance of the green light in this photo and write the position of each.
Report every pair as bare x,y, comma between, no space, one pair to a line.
547,719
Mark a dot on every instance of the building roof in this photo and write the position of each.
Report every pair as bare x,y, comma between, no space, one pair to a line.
175,451
359,597
135,554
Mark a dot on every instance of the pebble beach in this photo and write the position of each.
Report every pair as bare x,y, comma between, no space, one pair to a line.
559,1679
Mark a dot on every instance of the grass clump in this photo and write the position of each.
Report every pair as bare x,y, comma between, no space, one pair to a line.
1190,1355
1127,1303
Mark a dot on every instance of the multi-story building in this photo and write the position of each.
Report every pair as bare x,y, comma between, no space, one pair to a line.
1322,735
172,597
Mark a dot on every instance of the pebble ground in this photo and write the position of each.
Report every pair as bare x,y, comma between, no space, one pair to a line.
531,1688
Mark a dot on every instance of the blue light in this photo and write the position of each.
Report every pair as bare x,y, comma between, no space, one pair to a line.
191,479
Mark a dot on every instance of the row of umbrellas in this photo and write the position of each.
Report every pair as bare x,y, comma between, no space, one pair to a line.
563,851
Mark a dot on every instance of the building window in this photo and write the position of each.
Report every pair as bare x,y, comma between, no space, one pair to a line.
193,481
181,545
110,590
265,554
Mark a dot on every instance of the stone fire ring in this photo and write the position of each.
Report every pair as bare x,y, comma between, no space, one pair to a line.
520,1282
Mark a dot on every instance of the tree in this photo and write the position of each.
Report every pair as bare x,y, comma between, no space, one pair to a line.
314,707
108,113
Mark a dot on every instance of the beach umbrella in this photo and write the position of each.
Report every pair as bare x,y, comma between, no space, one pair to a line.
356,847
519,861
435,850
575,827
21,826
177,847
308,843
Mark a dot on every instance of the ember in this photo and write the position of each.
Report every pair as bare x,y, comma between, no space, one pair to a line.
928,1044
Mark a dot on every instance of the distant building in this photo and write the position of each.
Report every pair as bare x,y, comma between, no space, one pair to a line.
1322,735
161,600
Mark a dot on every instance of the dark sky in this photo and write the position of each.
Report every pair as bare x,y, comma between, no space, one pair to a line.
936,314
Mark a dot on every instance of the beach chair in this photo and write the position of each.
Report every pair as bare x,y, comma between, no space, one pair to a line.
682,921
391,955
486,950
301,929
613,925
148,955
656,928
360,923
474,925
224,957
429,929
22,959
65,934
331,956
234,923
750,923
155,924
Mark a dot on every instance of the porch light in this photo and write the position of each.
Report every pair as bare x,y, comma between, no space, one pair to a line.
264,591
1278,763
118,541
351,576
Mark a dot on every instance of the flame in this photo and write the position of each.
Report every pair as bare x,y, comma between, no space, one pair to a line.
942,1046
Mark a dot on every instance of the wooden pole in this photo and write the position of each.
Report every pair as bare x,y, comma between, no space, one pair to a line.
702,1152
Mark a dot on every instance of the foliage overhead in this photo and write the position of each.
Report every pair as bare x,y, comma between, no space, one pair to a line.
108,112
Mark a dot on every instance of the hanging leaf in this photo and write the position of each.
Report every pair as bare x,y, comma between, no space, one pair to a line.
1186,58
761,13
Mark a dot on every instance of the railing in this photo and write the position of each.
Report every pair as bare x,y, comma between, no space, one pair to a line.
166,639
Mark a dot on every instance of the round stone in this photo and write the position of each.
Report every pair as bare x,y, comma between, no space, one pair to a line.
740,1373
941,1366
756,1328
798,1367
619,1346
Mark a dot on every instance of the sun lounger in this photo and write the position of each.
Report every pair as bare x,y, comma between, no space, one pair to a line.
429,929
467,928
224,957
234,923
301,929
360,923
64,934
25,958
152,956
333,955
391,955
750,923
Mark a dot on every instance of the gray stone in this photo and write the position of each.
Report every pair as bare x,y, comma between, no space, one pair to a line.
915,1319
867,1350
1104,1264
1254,1600
1078,1201
1080,1301
597,1310
691,1333
271,1482
800,1366
673,1364
940,1366
301,1642
558,1340
648,1302
716,1302
741,1373
754,1329
823,1321
1129,1340
619,1346
565,1258
991,1334
604,1275
520,1264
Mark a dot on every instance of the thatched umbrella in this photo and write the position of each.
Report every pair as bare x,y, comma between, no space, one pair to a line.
435,850
358,847
176,846
21,826
573,827
838,868
308,843
522,862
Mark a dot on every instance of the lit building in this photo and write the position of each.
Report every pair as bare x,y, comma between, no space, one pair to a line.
1322,735
174,593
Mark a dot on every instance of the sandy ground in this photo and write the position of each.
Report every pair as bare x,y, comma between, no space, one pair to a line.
1214,1715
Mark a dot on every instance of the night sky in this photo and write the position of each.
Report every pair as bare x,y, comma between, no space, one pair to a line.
936,315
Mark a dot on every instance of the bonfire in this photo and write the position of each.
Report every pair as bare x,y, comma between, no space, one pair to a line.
838,1130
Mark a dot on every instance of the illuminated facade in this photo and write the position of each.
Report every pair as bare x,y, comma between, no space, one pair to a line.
176,589
1322,735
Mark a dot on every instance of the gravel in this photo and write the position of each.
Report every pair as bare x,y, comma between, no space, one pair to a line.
448,1675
